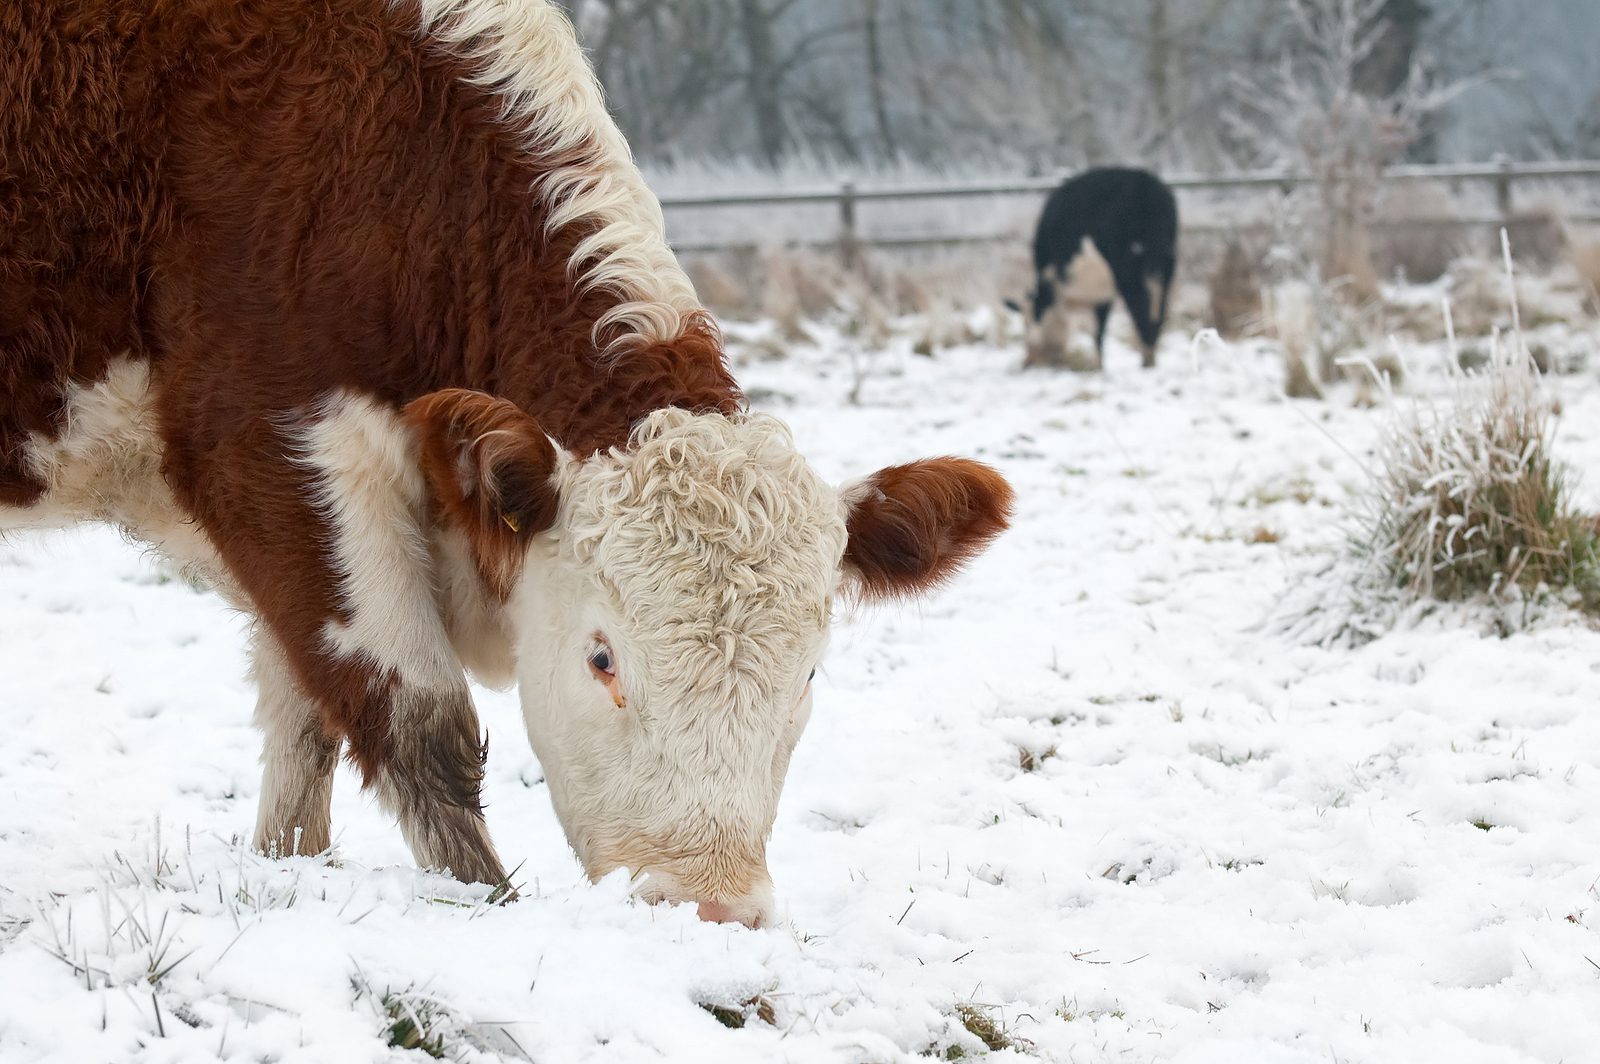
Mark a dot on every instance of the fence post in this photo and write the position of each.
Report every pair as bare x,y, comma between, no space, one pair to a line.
849,243
1502,187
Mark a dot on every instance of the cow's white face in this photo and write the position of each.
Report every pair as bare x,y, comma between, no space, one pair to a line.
667,628
669,603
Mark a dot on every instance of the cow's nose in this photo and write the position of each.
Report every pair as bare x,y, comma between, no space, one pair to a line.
720,913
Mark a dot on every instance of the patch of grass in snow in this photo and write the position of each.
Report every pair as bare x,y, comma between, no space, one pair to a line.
1111,700
1069,1011
1466,498
735,1017
1300,489
1338,891
411,1018
1031,760
409,1026
977,1021
132,952
1256,536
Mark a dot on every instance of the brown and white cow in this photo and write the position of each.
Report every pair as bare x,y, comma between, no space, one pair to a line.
360,310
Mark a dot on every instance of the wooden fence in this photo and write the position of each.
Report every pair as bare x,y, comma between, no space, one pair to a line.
1504,176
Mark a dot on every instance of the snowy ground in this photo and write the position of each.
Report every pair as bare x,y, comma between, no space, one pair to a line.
1086,793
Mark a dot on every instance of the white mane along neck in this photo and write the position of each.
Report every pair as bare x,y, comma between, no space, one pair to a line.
526,53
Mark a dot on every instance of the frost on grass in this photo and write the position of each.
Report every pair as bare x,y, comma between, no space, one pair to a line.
738,1015
1466,502
984,1034
1468,499
411,1018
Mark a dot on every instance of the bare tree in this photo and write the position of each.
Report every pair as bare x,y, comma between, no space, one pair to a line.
1046,85
762,74
876,78
1314,115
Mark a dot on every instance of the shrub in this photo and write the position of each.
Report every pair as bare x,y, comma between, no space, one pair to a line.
1466,498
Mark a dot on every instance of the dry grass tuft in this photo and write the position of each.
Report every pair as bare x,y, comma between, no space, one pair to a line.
717,284
736,1016
1539,234
1290,310
1483,300
1468,500
937,291
1585,258
1464,501
797,286
1032,760
1418,252
981,1026
1235,294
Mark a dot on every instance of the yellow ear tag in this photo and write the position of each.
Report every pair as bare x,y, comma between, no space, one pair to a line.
511,522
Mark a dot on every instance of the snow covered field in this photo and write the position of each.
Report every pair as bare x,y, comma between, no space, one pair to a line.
1089,794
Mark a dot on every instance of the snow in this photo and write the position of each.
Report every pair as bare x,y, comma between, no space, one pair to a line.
1225,845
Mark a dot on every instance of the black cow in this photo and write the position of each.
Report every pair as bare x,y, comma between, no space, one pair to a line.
1105,233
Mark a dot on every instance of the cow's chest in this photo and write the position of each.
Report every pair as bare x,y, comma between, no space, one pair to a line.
1086,279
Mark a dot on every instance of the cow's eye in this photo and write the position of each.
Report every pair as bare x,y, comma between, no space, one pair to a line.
601,662
813,676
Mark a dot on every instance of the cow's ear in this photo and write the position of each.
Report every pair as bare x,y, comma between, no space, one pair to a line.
913,526
492,473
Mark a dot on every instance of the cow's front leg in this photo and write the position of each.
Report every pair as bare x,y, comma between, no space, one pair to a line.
428,772
298,759
418,748
318,515
1102,313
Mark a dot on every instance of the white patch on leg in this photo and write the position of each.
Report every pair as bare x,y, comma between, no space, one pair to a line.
526,53
298,761
371,490
1157,292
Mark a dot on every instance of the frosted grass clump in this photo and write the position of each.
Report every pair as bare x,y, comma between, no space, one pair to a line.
1467,499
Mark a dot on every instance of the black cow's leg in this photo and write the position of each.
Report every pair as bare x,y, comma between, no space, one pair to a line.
1102,312
1136,297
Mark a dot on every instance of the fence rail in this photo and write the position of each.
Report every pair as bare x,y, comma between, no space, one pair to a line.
1503,175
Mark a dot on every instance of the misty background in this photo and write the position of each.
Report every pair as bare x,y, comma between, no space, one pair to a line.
1039,86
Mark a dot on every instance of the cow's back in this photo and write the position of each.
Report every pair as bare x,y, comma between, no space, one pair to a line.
1116,207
